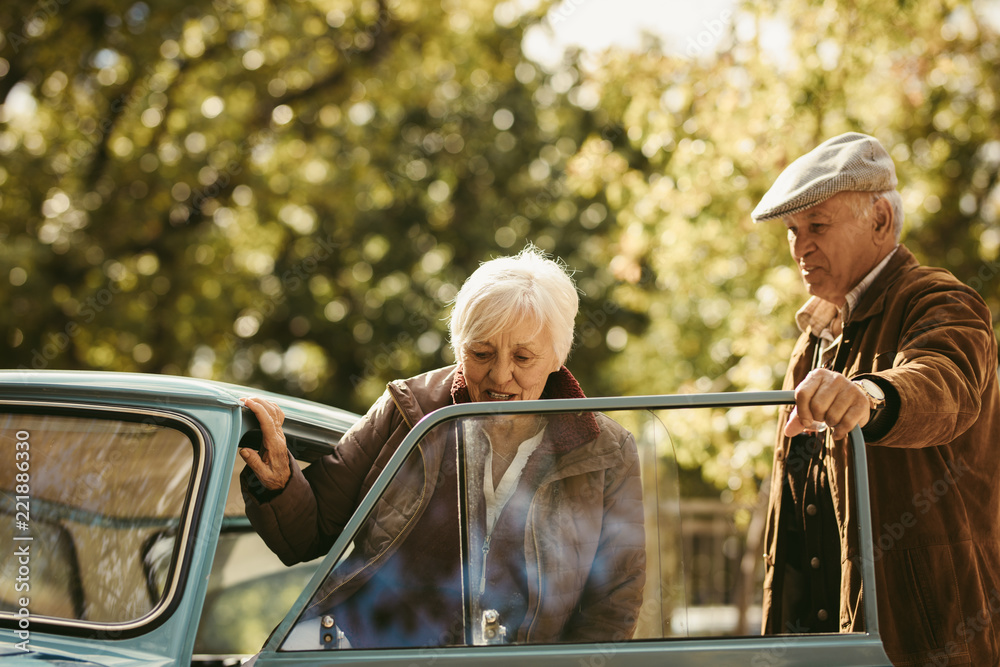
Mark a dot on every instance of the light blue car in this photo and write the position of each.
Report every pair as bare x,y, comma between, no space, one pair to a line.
126,542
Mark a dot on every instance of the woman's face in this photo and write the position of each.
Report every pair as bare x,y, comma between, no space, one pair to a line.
511,366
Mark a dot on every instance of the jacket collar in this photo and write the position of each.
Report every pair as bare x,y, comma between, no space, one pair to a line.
565,431
420,395
817,315
873,302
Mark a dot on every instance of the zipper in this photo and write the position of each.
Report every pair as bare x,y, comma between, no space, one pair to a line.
486,551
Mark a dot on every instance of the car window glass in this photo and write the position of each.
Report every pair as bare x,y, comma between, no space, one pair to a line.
557,541
94,493
590,527
710,576
249,589
387,592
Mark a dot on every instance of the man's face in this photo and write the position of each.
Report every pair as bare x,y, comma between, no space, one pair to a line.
833,249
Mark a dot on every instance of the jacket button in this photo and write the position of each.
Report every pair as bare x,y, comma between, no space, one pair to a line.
822,615
811,509
814,562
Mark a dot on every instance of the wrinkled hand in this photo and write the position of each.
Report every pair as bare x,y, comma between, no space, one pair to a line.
827,397
271,465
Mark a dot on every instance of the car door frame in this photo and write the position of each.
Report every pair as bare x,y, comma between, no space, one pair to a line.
759,651
154,636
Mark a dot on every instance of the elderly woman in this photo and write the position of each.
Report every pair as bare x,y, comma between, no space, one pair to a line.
556,542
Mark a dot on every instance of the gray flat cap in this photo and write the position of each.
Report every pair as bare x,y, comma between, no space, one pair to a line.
849,162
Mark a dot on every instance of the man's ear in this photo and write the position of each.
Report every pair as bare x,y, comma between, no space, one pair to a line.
882,216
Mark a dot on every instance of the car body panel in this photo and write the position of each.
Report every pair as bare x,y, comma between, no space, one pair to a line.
128,389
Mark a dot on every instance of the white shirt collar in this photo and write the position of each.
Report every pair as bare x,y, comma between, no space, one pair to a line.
497,498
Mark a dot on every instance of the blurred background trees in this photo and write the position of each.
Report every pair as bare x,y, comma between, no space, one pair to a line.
286,193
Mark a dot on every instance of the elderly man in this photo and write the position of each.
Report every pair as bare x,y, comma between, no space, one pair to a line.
908,353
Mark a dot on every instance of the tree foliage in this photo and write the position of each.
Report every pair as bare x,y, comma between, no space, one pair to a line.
286,193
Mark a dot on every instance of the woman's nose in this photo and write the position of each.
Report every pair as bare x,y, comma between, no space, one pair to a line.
502,370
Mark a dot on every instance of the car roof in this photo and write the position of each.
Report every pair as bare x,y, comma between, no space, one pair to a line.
115,387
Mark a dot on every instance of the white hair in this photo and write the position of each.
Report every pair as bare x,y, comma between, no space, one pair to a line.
508,291
862,204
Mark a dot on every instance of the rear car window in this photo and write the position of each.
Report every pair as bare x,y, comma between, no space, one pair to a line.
88,498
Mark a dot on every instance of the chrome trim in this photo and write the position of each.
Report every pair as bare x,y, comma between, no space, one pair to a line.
865,533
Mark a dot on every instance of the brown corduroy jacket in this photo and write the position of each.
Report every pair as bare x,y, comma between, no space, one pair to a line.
934,476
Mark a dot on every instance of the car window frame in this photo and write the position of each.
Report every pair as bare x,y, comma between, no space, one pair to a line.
774,650
190,518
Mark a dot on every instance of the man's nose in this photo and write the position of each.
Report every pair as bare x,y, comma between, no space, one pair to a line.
802,245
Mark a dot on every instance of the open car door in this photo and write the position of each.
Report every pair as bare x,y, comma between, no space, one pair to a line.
672,567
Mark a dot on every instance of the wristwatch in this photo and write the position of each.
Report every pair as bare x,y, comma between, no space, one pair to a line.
876,397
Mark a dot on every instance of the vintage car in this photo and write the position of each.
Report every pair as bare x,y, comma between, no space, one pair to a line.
127,541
